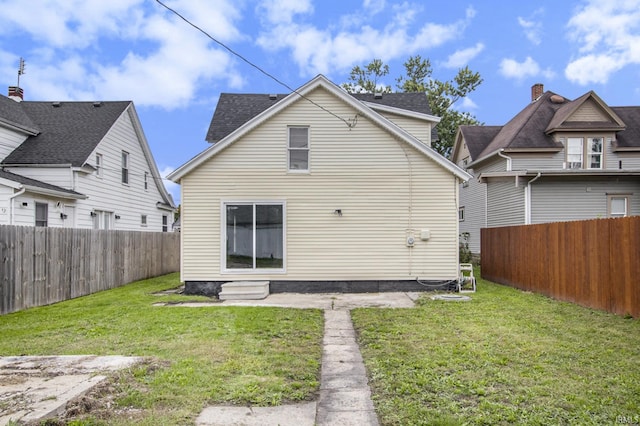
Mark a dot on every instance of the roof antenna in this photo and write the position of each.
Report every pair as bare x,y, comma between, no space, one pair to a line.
20,70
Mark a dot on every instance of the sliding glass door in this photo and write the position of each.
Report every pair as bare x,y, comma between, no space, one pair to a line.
254,236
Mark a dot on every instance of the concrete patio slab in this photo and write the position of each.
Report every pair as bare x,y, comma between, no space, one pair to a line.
283,415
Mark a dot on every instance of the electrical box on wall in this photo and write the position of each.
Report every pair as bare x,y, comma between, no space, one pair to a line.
425,234
410,241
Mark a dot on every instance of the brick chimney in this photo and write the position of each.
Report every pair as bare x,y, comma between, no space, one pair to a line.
536,91
16,93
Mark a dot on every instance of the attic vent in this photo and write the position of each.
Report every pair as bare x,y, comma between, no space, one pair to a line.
377,95
97,104
55,104
273,97
557,99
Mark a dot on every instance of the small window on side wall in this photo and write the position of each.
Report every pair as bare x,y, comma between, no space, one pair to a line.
99,165
143,220
298,147
42,214
125,167
618,205
461,214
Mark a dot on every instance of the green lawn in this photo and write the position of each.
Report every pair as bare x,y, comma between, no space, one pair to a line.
197,356
506,357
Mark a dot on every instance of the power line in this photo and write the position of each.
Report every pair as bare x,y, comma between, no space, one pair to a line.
233,52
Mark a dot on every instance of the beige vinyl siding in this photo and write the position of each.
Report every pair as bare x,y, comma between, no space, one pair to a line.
556,200
362,171
505,202
420,129
9,140
589,111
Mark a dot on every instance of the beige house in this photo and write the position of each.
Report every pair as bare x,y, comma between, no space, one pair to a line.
320,190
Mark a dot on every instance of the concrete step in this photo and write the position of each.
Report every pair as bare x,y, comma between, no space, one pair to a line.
244,290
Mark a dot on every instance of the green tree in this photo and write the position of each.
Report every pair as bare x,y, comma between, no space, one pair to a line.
365,80
442,95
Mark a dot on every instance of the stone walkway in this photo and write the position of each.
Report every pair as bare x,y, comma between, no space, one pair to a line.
345,397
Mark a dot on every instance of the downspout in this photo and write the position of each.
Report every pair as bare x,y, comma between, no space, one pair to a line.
527,200
12,201
505,157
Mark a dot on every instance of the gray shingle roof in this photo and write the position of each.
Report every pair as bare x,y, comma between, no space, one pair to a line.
33,182
530,127
69,131
630,137
11,113
235,109
478,137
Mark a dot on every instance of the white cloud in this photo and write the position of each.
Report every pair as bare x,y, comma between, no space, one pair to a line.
122,49
532,27
337,50
462,57
283,11
172,187
608,39
511,68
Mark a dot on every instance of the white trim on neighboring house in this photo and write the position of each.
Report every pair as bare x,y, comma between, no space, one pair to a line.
151,162
361,109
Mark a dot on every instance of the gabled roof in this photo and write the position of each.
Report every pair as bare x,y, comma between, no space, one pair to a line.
235,109
533,127
69,131
39,187
319,81
478,137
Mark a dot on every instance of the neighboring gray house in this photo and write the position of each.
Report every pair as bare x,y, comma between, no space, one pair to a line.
556,160
78,165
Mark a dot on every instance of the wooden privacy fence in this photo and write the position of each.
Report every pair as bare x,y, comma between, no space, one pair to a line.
39,266
594,263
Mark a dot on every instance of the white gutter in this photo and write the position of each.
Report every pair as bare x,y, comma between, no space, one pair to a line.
12,202
527,200
506,157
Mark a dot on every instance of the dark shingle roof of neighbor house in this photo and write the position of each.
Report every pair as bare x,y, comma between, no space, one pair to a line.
630,137
478,137
530,127
235,109
12,113
69,131
33,182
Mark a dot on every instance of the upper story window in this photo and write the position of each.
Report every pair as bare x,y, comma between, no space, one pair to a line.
298,148
42,214
146,180
99,165
165,223
125,167
579,149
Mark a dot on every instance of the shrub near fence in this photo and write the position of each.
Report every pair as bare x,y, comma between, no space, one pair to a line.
594,263
39,266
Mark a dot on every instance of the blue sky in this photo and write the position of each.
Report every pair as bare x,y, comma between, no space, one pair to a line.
137,50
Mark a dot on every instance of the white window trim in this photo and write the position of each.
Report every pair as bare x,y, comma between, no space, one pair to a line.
223,239
125,167
626,198
308,149
99,165
461,214
586,154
